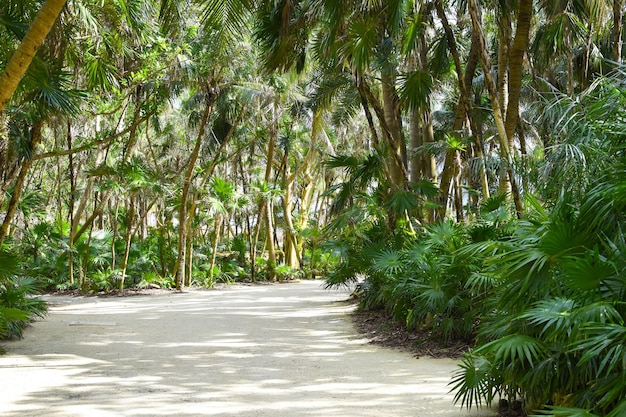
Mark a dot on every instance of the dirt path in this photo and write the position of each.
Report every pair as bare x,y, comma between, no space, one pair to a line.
271,351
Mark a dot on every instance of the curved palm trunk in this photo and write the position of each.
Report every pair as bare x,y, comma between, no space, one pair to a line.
23,56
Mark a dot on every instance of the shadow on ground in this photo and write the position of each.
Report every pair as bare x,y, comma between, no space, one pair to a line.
280,350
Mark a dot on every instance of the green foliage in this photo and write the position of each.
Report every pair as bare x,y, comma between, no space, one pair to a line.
287,273
422,279
18,305
555,334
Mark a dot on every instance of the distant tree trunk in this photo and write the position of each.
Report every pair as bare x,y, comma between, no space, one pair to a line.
23,56
393,118
216,239
189,253
617,30
458,189
291,243
70,232
416,160
464,106
35,138
491,86
127,241
269,213
182,212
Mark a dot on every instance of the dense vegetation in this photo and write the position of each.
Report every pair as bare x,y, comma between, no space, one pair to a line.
463,162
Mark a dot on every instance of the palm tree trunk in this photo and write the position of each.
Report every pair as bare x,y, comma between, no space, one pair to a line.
415,143
269,214
216,239
391,111
504,44
269,236
23,56
464,81
291,244
617,30
35,138
495,104
182,212
516,65
127,241
398,162
189,253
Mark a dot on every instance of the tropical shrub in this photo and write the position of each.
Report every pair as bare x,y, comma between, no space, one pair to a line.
17,302
555,330
424,279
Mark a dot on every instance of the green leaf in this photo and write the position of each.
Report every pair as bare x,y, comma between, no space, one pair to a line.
555,315
515,349
415,89
388,261
473,382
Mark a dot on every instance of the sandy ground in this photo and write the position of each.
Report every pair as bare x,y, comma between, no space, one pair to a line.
275,350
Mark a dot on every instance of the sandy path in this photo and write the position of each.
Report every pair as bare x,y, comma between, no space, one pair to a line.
279,350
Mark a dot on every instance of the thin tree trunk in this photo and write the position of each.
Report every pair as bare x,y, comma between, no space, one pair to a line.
23,56
416,161
291,244
216,237
269,236
35,138
497,111
189,253
398,161
391,111
617,30
458,189
269,214
182,213
127,241
464,81
70,233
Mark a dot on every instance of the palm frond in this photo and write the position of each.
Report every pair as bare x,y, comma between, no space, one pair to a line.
228,15
473,382
554,316
415,89
388,261
515,350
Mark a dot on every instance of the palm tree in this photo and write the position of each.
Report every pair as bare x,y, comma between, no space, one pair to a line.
23,56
